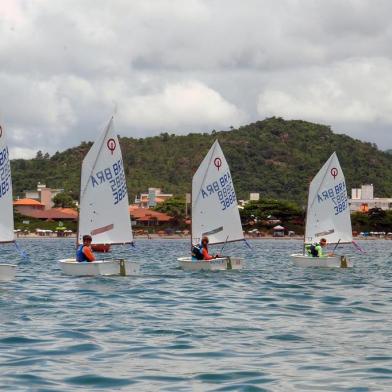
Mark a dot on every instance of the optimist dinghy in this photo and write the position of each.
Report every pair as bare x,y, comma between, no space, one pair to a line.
103,207
214,212
7,271
328,216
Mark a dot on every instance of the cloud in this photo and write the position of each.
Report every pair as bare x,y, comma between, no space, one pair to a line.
355,91
180,106
178,66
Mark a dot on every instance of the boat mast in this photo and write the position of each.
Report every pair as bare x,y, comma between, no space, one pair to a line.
306,217
80,200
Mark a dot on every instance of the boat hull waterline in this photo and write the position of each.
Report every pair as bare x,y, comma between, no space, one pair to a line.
218,264
99,267
7,272
337,261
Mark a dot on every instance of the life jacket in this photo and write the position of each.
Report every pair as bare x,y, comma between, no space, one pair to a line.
80,256
197,252
313,250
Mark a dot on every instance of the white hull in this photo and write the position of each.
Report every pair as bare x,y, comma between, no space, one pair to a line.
219,264
301,260
99,267
7,272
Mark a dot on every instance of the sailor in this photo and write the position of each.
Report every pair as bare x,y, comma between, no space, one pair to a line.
317,250
84,252
204,249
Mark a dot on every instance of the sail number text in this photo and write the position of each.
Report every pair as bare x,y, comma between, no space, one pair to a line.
338,196
115,177
5,172
223,188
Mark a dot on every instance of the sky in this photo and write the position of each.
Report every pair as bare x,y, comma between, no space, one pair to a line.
187,66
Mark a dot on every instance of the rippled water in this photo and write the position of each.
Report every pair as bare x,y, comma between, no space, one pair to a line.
270,327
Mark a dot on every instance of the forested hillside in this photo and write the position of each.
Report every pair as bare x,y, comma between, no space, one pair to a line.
274,157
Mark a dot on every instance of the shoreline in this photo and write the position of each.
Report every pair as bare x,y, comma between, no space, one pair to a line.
187,237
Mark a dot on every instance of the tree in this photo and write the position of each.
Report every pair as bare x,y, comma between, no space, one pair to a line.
63,200
264,208
175,207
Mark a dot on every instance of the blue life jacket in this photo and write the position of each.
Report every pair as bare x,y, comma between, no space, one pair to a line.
80,256
197,252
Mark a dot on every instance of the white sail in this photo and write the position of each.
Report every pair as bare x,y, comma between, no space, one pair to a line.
104,204
214,203
328,214
6,207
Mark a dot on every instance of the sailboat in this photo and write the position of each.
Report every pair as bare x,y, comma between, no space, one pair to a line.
7,271
214,212
103,207
328,215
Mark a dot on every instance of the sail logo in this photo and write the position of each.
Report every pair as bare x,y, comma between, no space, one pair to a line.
111,145
334,172
5,172
218,163
115,176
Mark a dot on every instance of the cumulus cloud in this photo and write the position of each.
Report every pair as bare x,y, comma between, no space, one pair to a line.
178,66
349,92
180,106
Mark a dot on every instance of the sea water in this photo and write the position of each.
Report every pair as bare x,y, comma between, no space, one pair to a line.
270,327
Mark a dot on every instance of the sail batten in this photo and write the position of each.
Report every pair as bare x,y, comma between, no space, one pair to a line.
214,203
104,207
6,206
328,213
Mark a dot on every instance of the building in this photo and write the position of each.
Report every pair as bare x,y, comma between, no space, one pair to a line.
152,198
254,196
27,205
362,199
53,214
146,217
44,195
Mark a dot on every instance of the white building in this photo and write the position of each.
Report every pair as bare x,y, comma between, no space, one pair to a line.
43,194
362,199
152,198
254,196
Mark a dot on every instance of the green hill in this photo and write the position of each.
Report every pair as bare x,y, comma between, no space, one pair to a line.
274,157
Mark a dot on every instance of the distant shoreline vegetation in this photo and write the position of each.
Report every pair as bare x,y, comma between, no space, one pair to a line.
274,157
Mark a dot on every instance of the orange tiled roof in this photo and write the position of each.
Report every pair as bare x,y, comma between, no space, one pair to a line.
53,213
145,214
27,202
158,199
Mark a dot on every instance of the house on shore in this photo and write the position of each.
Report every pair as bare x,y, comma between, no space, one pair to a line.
153,197
363,200
146,217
